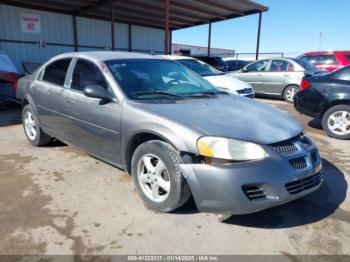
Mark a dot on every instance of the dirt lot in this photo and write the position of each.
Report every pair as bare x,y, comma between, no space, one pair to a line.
58,200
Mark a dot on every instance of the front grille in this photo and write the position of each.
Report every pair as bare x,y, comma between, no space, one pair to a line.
301,185
253,192
285,147
298,163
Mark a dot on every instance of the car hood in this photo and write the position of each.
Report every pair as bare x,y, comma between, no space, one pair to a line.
229,116
227,82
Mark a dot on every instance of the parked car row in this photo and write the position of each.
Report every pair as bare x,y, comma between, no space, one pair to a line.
172,130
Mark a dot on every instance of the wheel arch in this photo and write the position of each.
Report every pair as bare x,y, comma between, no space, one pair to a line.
335,103
138,139
288,85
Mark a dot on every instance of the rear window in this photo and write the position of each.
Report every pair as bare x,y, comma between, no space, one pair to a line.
320,59
306,65
342,74
347,57
55,72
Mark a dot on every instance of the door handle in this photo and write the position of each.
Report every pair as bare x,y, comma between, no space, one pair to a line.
286,75
259,74
69,101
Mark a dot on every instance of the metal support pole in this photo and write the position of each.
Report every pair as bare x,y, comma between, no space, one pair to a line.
209,37
166,26
130,38
75,37
258,38
112,25
170,41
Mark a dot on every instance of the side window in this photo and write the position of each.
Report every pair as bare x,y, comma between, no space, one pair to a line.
257,66
86,74
281,66
55,72
347,57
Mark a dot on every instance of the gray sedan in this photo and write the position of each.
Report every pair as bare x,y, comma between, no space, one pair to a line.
174,132
277,77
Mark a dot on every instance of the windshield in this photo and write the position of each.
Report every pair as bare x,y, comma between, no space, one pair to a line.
144,79
200,67
306,65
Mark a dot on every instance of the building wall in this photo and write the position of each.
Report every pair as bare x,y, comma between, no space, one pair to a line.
57,36
201,50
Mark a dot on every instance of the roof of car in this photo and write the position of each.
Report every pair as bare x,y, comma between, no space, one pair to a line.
176,57
109,55
326,52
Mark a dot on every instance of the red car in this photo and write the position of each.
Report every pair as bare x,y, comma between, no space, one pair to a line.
328,60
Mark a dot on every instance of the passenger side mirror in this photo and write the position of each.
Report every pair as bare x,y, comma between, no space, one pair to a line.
96,91
244,70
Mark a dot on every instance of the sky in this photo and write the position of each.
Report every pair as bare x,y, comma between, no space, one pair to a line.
290,26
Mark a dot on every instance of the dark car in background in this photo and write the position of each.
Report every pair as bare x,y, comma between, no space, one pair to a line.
328,60
215,61
327,97
235,65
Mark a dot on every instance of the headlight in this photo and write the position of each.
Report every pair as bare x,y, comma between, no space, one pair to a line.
230,149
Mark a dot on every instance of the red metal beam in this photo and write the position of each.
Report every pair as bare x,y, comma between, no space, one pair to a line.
112,25
75,36
166,26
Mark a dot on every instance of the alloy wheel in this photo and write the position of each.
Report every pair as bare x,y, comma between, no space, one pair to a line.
153,178
339,123
30,125
290,93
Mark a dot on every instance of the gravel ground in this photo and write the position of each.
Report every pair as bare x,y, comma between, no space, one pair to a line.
59,200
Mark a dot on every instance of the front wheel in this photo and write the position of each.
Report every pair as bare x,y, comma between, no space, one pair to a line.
157,177
32,129
336,122
290,92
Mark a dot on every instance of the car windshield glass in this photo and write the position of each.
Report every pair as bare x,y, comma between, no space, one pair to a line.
155,79
306,65
200,67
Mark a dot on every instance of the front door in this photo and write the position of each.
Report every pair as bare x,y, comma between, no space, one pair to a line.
91,123
254,74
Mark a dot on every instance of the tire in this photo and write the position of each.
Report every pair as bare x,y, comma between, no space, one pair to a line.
339,113
179,191
39,138
288,93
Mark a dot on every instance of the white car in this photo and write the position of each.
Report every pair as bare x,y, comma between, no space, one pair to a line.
214,76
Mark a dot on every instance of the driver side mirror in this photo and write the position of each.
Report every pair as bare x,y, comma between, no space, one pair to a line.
96,91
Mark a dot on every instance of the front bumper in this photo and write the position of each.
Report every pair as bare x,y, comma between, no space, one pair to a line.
248,187
246,92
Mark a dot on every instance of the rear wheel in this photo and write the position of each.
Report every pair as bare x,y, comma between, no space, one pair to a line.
33,132
157,176
336,122
290,92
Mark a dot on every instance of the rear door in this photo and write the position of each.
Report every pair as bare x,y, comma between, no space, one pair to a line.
278,76
47,92
91,123
254,74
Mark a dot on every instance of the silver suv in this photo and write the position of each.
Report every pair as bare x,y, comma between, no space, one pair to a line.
277,76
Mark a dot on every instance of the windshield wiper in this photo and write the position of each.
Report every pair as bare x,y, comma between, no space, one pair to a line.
208,94
141,93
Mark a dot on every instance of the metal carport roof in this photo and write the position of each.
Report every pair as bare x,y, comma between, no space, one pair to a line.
165,14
